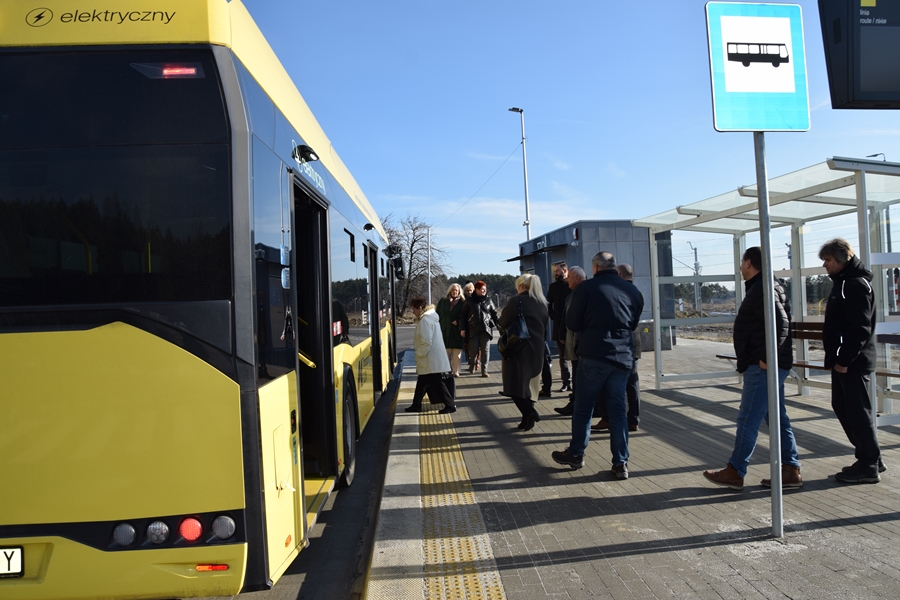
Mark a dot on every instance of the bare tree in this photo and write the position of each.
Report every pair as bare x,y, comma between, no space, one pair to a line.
410,233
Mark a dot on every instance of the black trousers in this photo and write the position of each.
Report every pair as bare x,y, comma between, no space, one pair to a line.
853,408
434,385
564,372
546,375
525,406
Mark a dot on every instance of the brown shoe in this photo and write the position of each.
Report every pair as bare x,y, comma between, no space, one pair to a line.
632,427
484,374
790,478
602,425
727,477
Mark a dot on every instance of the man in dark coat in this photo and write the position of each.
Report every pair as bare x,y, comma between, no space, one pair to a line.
633,387
604,311
849,340
750,348
479,319
557,292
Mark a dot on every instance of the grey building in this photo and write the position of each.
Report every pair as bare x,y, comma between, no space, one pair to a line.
577,243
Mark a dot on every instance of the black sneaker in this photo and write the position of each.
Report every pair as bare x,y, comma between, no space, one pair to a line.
565,388
564,458
413,408
545,394
620,471
566,410
881,467
859,474
447,410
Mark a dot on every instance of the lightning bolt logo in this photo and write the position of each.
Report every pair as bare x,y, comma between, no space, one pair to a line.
39,17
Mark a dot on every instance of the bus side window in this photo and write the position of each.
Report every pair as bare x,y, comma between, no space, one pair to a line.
352,246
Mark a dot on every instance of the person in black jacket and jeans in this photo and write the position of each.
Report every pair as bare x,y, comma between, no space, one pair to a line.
849,340
750,348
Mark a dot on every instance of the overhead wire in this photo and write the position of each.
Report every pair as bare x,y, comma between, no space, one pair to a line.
482,185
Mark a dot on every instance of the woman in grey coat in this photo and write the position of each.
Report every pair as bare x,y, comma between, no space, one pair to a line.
522,373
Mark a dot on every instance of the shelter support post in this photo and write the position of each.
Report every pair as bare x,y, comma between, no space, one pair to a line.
865,254
798,300
655,296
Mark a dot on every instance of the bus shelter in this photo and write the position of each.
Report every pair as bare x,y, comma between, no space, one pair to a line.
863,190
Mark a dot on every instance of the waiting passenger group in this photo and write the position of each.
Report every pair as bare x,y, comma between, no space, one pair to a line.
595,324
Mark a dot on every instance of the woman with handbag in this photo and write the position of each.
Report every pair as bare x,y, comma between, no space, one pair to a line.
522,362
450,310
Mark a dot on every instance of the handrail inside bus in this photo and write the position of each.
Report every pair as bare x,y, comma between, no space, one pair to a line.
305,359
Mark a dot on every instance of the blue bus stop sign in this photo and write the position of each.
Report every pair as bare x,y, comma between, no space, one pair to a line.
758,67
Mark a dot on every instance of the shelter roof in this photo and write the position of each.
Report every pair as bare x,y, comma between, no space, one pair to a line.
824,190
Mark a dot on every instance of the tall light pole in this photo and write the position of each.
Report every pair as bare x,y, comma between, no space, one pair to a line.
527,222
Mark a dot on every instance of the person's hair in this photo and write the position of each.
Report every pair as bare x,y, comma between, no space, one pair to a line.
604,260
469,287
838,249
754,255
577,272
480,284
532,283
625,271
562,265
418,302
450,289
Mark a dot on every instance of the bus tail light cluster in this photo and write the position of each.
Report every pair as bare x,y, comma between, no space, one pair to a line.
155,533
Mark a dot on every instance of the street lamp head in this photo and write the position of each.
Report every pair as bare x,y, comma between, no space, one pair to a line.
514,109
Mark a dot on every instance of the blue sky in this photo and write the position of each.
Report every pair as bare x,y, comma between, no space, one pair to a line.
618,113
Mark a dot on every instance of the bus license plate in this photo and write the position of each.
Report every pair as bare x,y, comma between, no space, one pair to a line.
12,561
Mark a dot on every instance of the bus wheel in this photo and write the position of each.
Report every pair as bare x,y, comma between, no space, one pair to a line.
775,64
349,437
746,63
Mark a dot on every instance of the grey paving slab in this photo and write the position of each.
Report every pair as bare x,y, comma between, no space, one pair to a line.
666,532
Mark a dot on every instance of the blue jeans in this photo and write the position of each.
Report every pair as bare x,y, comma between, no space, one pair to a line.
755,408
595,377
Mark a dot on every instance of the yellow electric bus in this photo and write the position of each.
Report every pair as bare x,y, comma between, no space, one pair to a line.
195,303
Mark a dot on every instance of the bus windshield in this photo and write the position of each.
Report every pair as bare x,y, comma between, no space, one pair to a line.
114,178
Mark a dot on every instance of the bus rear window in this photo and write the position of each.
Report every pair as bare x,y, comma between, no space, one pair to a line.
114,183
110,97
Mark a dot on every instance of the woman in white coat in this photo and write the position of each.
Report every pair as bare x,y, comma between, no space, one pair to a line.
431,358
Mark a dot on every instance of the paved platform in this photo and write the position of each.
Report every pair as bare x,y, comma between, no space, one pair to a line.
474,508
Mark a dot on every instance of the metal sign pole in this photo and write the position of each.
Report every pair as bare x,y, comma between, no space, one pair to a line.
765,244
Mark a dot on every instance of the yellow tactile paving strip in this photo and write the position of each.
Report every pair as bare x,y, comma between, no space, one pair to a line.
459,563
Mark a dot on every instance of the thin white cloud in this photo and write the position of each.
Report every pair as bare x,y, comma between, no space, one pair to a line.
614,170
491,157
557,163
402,198
878,132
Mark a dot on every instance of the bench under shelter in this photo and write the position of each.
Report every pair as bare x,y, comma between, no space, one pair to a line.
860,190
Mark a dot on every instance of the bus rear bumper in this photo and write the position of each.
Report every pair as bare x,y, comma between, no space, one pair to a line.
56,567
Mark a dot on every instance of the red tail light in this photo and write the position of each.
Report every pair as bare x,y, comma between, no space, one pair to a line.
190,529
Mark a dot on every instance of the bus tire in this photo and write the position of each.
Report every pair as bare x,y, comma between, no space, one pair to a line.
349,436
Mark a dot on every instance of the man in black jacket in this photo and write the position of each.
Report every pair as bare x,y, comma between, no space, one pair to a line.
849,340
557,292
604,311
750,348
